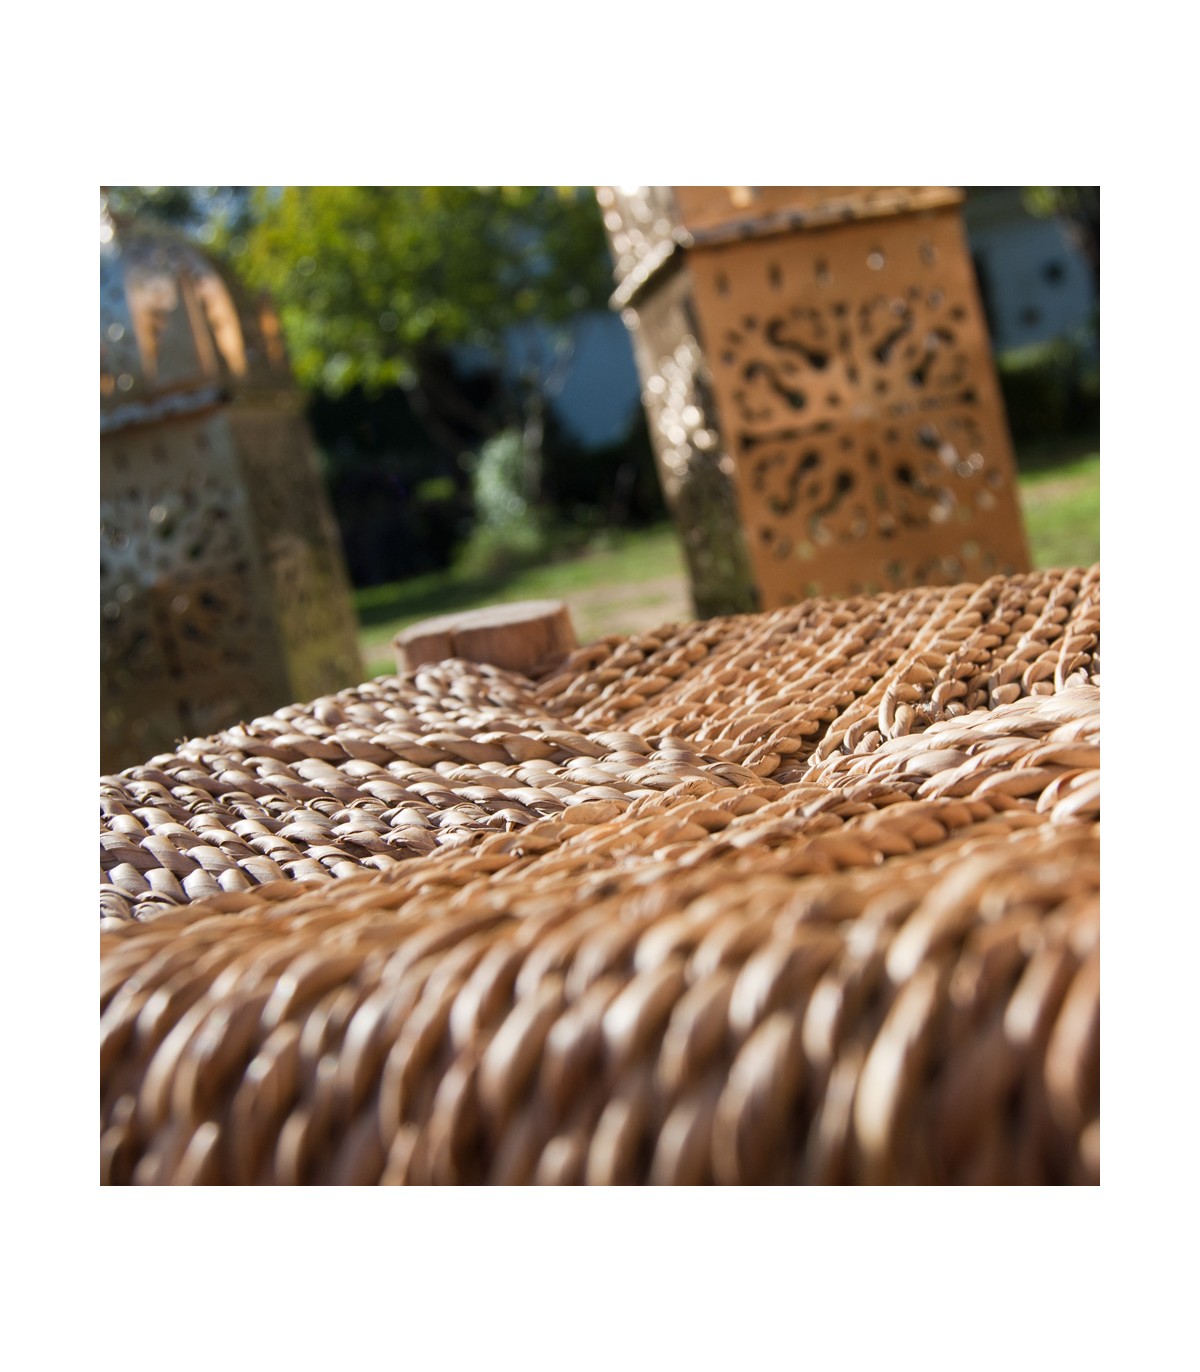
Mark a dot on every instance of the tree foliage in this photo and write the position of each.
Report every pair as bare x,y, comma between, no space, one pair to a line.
401,309
369,280
201,211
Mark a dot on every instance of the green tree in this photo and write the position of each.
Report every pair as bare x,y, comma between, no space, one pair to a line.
373,284
380,287
200,211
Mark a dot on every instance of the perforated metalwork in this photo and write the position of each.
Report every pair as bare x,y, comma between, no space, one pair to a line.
853,406
706,211
640,221
223,594
695,472
172,323
295,530
187,643
855,387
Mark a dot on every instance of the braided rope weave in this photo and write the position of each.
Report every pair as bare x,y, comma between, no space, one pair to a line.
806,896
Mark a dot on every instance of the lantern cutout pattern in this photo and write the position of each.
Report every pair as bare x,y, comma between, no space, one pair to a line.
819,386
223,592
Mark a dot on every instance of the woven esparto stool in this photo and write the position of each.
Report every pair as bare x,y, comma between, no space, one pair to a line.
804,896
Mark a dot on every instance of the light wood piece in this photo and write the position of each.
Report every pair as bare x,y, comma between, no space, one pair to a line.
528,636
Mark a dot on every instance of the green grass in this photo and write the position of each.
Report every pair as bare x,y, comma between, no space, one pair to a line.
1061,506
634,556
636,579
634,559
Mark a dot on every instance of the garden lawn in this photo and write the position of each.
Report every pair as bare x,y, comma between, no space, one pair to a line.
637,581
1061,506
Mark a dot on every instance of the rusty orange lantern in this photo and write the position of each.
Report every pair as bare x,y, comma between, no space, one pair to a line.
820,388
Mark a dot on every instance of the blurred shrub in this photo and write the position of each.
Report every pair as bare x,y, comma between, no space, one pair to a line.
511,530
406,505
1050,389
532,508
503,478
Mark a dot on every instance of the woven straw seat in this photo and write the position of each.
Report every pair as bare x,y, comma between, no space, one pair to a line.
804,896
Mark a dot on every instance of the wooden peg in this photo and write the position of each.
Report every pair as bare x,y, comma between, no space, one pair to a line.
527,636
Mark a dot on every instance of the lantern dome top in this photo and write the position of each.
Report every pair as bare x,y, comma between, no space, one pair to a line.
177,333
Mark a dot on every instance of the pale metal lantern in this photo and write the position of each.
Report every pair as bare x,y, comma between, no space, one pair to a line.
819,385
223,591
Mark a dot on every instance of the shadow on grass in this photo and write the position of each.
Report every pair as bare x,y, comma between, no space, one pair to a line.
423,596
1038,455
616,554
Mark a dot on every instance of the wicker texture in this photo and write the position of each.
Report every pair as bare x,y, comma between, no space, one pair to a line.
807,896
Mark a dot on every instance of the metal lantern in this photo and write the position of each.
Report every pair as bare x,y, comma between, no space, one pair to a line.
819,384
223,593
